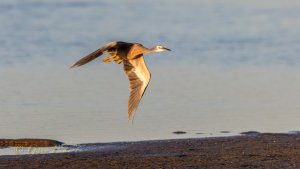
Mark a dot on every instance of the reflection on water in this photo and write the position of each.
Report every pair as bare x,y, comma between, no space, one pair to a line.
234,66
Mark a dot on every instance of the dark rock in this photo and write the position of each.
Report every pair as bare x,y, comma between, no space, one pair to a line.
28,142
179,132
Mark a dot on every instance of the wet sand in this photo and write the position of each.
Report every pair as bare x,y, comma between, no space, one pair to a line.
247,151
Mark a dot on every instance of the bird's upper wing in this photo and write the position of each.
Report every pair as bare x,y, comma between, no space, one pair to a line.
94,54
139,77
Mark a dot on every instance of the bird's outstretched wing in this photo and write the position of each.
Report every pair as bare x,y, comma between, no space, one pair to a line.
139,77
94,54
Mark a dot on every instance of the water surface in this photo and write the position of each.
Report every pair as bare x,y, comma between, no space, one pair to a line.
234,66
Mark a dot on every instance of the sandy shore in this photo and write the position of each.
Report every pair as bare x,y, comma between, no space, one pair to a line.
249,151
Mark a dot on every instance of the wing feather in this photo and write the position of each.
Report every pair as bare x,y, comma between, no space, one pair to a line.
94,54
139,77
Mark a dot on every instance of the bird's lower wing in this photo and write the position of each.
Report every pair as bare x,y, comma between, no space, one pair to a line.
139,78
94,54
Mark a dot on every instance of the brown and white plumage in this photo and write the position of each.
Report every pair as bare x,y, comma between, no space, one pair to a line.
139,77
132,56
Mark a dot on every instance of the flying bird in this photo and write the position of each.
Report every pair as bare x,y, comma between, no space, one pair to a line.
132,57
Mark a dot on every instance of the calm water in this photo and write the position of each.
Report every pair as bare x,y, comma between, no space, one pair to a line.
234,66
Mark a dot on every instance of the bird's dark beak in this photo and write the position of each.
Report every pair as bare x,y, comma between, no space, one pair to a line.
167,49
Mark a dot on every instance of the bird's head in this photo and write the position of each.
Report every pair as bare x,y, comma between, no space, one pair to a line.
160,48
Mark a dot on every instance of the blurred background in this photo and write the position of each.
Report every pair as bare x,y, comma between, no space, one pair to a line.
234,67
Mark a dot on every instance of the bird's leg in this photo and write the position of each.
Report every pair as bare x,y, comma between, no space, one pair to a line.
115,56
106,59
117,59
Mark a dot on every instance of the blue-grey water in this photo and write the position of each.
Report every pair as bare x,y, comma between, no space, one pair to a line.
234,66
